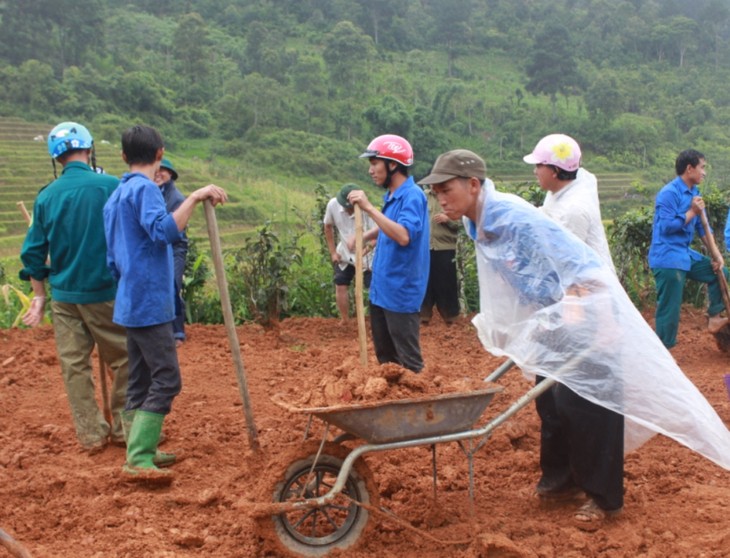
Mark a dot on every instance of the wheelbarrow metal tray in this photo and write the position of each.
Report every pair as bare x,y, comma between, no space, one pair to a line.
408,419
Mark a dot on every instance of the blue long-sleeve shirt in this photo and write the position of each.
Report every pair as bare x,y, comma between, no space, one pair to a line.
139,234
671,236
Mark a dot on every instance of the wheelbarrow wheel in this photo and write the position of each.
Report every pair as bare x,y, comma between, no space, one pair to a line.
338,525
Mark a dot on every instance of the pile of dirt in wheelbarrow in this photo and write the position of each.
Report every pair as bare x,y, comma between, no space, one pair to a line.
352,383
58,501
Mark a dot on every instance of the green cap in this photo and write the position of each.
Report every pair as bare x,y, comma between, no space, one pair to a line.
166,164
342,195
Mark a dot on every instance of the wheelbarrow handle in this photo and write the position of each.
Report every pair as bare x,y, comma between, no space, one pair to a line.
503,368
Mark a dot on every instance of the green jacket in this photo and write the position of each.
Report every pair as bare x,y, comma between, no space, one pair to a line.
66,242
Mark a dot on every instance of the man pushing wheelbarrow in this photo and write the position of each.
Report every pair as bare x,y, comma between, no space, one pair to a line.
552,305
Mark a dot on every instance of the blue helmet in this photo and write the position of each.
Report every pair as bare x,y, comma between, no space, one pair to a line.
67,136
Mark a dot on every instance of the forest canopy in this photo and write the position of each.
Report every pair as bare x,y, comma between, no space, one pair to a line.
304,84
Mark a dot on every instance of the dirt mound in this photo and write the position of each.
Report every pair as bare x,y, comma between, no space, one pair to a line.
351,383
59,502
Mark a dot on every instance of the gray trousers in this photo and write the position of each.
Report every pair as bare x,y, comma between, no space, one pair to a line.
154,372
396,336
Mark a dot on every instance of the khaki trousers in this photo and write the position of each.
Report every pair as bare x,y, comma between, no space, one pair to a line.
78,327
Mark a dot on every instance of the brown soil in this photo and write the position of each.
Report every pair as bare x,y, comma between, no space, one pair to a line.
58,501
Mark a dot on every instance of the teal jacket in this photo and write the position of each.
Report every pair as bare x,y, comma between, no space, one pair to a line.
66,244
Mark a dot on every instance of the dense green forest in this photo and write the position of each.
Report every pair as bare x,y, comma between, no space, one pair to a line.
298,87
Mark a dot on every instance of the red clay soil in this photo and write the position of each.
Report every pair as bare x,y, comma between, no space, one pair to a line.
59,502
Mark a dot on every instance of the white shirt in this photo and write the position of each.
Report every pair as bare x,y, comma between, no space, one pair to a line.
576,208
337,216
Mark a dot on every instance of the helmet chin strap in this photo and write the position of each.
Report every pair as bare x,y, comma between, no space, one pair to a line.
389,174
92,161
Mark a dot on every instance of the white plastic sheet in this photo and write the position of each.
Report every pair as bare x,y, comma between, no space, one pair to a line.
552,305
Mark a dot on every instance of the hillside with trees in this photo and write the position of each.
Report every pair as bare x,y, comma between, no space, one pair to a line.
297,87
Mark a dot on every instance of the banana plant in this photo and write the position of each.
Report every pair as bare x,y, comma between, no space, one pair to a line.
24,299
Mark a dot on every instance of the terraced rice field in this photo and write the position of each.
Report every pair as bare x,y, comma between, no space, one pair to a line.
25,167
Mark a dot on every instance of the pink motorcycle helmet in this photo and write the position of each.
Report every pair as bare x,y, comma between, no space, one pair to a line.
558,150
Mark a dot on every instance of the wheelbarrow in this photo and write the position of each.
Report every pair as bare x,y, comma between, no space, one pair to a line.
322,500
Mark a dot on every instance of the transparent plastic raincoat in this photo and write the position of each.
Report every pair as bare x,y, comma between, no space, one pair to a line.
549,302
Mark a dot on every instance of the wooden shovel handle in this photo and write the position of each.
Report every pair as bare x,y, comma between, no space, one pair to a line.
24,211
359,304
220,276
714,250
105,398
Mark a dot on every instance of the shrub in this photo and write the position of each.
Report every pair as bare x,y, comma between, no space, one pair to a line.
466,272
198,306
311,292
630,239
261,271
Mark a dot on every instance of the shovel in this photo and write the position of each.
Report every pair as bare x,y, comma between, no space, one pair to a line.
722,337
220,275
359,305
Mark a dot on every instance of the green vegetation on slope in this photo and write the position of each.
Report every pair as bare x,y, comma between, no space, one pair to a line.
298,87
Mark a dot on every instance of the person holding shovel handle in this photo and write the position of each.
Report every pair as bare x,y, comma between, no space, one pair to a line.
140,233
676,220
401,261
65,245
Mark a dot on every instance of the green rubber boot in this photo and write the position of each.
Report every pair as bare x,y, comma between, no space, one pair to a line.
162,458
142,447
